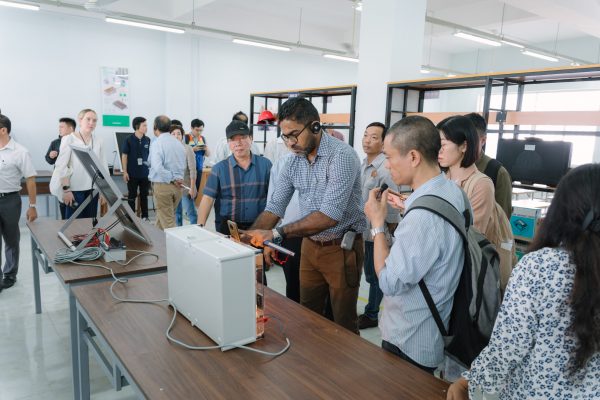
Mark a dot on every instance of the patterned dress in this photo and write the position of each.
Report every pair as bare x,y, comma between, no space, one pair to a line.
528,354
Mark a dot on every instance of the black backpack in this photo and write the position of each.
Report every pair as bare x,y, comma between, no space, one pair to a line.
477,297
491,170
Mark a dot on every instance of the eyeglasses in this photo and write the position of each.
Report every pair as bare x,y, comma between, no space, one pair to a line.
293,139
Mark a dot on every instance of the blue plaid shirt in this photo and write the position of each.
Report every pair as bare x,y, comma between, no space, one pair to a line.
240,195
330,185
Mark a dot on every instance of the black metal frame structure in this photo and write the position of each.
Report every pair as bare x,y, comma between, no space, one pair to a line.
418,88
322,92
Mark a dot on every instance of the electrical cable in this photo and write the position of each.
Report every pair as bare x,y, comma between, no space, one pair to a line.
65,255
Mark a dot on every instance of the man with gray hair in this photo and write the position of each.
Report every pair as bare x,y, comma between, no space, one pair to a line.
426,247
167,165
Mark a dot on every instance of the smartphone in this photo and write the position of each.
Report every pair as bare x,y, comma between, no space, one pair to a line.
233,230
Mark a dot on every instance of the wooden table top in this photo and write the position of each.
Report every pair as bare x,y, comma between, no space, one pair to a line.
44,231
324,360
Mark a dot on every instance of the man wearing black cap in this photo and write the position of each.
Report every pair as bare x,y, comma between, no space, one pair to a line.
238,185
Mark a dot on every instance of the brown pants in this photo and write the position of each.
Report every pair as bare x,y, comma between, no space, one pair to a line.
166,198
333,270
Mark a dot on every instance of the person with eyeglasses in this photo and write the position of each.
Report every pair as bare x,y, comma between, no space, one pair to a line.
326,174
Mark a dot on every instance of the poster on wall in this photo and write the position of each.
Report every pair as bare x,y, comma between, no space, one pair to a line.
115,96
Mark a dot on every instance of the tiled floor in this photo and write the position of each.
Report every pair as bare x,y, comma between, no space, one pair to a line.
35,360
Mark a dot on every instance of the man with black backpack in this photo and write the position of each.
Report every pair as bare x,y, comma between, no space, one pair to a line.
426,249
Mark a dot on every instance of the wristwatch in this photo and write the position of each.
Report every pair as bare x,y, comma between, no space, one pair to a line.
66,187
32,206
277,238
377,230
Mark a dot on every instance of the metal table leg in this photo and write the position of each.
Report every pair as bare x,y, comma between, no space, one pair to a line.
83,370
74,345
36,277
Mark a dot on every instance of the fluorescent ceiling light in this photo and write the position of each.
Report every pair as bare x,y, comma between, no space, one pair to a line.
450,75
23,6
539,55
424,71
342,58
259,44
575,64
508,42
477,39
144,25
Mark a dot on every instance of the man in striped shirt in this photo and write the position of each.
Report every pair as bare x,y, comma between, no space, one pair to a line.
325,172
425,247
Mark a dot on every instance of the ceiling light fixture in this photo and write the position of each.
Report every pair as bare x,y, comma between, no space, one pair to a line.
23,6
508,42
259,44
478,39
539,55
341,58
358,6
424,71
144,25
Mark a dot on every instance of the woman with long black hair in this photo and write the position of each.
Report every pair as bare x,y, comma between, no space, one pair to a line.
546,340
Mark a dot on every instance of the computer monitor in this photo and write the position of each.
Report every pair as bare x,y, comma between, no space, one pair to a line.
117,206
534,160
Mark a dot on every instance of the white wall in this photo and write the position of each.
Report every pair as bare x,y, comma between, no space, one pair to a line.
51,64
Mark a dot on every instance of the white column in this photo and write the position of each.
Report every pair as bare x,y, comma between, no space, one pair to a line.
390,49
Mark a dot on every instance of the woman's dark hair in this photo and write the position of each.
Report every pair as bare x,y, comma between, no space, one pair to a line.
459,129
573,223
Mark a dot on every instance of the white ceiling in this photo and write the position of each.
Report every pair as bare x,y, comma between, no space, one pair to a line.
330,23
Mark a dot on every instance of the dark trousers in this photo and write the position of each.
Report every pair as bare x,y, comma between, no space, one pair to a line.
132,187
10,212
291,268
198,178
395,350
375,293
90,211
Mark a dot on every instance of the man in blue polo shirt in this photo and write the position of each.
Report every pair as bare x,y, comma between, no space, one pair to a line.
238,185
135,164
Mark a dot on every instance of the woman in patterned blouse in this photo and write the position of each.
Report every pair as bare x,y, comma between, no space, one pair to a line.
546,340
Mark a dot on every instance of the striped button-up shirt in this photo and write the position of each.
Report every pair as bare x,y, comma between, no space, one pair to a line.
240,194
330,185
426,247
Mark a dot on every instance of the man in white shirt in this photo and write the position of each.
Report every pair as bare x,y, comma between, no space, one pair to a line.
15,163
222,150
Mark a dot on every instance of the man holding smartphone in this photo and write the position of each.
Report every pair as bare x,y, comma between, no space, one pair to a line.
326,174
198,143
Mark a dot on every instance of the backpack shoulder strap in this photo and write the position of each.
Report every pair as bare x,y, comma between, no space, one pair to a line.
445,210
492,169
449,213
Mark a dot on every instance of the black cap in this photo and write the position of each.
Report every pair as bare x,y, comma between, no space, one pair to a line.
236,128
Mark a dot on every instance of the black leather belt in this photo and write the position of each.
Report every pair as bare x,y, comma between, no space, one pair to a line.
8,194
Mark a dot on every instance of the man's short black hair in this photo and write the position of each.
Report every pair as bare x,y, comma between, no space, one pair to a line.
197,123
417,133
299,110
5,122
240,116
68,121
479,122
459,129
137,121
176,122
379,125
162,123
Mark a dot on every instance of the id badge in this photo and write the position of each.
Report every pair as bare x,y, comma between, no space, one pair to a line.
140,161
